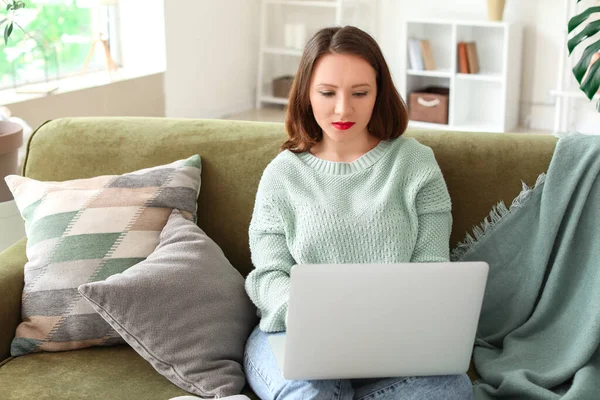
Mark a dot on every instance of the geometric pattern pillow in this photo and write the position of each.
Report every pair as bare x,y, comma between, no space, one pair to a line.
86,230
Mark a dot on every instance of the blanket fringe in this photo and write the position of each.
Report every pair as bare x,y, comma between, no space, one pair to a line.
498,213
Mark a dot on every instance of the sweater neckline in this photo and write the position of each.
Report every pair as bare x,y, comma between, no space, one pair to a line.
343,168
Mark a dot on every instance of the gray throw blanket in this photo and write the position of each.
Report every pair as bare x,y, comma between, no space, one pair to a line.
539,330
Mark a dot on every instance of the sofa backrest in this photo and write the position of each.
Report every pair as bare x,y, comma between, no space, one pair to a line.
480,168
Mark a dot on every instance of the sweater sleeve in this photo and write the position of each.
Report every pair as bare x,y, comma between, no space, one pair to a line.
433,206
268,284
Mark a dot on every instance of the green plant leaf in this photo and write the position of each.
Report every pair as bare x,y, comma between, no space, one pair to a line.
7,31
584,63
582,69
3,21
578,19
591,84
590,30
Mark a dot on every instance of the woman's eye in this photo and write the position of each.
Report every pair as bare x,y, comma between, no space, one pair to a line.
360,94
326,94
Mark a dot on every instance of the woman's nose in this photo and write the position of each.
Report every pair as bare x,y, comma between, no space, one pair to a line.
343,105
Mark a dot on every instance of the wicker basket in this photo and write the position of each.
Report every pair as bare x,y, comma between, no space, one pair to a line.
282,86
429,105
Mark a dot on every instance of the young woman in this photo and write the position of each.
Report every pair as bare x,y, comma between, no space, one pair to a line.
346,188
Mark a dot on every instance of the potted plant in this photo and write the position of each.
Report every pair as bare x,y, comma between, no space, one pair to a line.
11,138
11,9
11,133
587,69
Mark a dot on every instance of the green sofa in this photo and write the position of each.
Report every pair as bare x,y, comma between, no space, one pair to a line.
480,169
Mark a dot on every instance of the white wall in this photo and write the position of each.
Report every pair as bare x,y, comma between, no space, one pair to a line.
142,26
212,56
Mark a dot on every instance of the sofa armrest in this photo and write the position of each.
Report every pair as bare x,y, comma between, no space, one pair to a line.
12,263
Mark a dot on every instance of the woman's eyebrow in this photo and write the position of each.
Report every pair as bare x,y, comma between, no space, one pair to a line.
353,86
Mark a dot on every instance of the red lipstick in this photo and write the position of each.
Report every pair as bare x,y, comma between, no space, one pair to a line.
342,126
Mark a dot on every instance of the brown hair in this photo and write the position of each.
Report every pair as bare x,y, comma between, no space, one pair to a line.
390,115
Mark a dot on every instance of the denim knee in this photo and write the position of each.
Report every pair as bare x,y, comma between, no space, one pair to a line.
459,387
265,379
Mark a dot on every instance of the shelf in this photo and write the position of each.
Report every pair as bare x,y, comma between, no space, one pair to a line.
427,125
430,22
487,101
435,73
266,96
484,24
283,51
471,127
487,24
304,3
285,27
274,100
477,127
482,77
575,94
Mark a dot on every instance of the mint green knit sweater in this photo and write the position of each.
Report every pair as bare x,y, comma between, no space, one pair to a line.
389,206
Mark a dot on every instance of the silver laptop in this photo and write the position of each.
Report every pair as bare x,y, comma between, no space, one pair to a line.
380,320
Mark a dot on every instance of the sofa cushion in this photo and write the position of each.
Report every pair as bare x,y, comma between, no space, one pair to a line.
184,309
97,373
82,231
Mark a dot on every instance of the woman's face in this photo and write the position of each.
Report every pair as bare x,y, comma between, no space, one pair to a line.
343,89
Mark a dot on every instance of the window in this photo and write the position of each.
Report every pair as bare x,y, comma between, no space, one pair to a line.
59,38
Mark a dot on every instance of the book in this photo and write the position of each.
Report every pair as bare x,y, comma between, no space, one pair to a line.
414,55
463,62
427,54
472,57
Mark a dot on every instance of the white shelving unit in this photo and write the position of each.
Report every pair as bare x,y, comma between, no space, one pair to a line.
487,101
275,59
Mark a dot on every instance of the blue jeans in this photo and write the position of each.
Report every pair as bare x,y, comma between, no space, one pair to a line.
265,379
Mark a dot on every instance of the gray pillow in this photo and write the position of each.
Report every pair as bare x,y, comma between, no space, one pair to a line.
183,309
